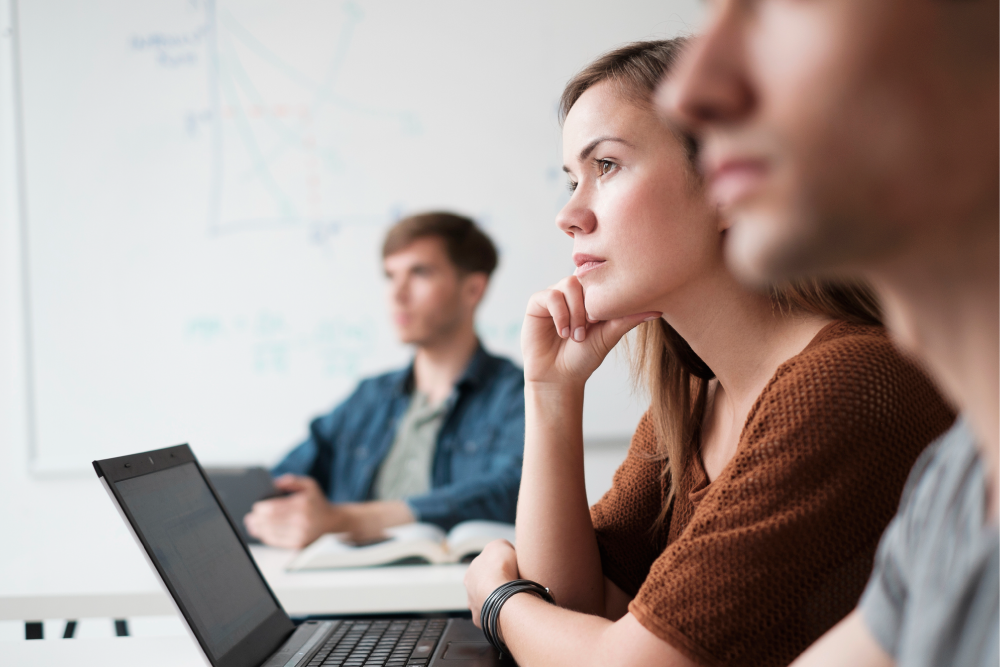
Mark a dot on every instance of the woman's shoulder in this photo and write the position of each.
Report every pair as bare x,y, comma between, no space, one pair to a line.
852,374
843,352
840,336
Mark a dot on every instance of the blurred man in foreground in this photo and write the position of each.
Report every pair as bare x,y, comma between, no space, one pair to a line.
440,441
861,137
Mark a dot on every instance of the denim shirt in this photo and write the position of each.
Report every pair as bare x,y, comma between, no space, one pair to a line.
476,470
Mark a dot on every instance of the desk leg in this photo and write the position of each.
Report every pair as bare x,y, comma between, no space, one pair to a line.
121,627
70,630
33,630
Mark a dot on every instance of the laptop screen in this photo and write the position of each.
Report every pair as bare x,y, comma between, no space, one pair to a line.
201,559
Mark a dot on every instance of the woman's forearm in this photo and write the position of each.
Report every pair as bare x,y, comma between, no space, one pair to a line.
539,634
556,545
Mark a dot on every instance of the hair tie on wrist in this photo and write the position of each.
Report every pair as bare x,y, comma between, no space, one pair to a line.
489,615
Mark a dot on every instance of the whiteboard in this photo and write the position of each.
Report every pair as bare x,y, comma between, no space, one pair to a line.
206,185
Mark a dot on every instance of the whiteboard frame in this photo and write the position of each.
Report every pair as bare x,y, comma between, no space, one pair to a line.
21,206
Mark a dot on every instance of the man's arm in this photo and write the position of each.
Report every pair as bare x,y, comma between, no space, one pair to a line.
847,644
314,457
298,519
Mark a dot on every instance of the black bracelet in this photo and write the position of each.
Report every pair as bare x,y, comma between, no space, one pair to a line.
489,615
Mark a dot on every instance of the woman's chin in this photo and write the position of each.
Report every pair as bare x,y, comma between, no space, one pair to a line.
600,307
604,306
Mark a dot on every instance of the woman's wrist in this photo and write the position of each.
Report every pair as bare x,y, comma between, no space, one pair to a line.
554,392
492,611
553,406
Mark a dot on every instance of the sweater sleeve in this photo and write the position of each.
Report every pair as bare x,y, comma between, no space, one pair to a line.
780,544
624,516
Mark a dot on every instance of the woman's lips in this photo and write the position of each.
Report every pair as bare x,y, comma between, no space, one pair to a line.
586,263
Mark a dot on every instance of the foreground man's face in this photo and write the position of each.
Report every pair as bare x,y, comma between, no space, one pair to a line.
843,134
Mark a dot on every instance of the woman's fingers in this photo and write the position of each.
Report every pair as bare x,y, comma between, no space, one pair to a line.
563,302
573,292
611,331
551,303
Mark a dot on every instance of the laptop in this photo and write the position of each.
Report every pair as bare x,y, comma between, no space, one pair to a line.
192,544
239,489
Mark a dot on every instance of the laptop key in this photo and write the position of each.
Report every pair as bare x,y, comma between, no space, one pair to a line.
423,648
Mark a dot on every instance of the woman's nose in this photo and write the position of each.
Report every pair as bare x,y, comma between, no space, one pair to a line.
576,217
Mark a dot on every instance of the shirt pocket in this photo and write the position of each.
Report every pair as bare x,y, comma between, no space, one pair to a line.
473,452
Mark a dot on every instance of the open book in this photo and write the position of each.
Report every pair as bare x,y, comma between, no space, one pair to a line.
412,543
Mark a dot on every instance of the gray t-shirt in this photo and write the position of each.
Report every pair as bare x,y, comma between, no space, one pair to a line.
406,470
934,597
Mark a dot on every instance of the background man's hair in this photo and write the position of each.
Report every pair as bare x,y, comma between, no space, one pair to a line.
468,248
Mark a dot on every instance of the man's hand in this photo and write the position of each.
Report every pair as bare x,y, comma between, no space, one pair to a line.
296,520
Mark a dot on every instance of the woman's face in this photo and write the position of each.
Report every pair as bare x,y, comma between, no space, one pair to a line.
642,229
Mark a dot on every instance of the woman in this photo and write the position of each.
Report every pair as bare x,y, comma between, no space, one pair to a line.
745,518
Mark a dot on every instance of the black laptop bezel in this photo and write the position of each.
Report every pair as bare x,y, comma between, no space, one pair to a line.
270,634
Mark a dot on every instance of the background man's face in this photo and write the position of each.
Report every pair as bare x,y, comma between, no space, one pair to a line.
424,292
840,134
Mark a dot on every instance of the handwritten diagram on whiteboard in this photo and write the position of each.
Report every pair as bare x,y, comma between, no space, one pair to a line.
208,182
278,127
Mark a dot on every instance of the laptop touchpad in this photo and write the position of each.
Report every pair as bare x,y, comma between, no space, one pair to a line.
468,651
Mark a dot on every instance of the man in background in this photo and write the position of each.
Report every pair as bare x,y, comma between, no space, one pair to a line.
861,137
439,441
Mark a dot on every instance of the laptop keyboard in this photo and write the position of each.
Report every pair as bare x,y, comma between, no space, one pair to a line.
380,643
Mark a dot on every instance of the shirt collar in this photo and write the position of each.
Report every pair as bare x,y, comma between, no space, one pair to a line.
475,372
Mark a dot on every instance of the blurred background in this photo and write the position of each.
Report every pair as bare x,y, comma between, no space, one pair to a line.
193,195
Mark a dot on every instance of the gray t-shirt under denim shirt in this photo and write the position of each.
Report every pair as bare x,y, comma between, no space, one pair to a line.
934,596
406,470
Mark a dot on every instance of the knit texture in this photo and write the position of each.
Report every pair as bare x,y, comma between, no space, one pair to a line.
756,565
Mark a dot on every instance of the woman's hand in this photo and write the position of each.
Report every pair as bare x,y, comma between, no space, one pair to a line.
495,566
560,344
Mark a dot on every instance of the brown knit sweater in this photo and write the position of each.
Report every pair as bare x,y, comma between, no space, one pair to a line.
759,563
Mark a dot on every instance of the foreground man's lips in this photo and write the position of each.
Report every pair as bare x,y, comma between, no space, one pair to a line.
733,180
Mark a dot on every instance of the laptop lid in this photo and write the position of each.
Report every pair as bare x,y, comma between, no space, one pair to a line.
192,544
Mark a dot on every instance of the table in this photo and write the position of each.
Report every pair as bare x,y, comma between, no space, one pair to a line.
383,589
148,652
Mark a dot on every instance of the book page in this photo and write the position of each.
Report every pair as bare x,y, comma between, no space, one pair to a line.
470,537
415,540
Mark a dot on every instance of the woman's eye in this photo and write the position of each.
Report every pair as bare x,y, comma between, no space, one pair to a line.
605,166
571,185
